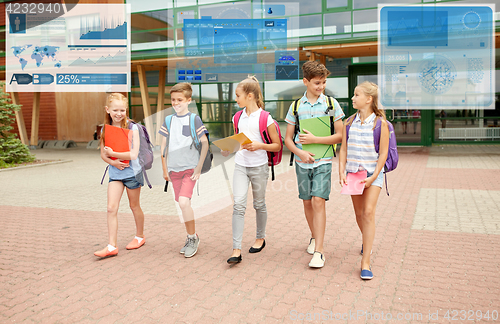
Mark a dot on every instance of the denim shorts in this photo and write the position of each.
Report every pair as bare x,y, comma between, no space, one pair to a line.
132,182
315,182
379,181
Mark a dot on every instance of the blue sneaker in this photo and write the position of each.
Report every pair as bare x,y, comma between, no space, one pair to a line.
367,274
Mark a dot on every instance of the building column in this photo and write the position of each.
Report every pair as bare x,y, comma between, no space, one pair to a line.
35,119
160,103
145,102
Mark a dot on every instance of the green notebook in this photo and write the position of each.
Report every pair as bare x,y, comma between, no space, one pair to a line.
319,126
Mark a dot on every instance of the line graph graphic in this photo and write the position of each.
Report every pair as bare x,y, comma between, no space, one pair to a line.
287,72
105,28
119,59
404,28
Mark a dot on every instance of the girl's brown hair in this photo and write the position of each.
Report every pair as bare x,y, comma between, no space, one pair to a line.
107,118
370,89
251,85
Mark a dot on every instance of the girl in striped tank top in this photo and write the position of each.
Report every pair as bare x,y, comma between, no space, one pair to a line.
357,154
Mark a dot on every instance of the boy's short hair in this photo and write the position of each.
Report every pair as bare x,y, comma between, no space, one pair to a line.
183,87
313,69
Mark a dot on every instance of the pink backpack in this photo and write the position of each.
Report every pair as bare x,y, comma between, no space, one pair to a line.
273,158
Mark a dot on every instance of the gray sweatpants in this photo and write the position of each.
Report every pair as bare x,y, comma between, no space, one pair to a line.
257,176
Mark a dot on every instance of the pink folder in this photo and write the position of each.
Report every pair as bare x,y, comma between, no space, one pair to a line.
353,186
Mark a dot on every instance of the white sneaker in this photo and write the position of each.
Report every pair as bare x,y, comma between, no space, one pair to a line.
318,260
312,246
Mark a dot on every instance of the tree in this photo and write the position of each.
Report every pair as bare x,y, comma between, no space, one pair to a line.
12,150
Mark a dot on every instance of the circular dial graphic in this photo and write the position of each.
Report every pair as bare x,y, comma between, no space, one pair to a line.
235,46
471,20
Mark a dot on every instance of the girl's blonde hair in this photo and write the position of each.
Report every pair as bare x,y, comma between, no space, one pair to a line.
251,85
370,89
107,118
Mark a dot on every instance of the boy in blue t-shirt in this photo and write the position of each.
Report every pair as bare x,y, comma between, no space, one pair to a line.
184,160
313,174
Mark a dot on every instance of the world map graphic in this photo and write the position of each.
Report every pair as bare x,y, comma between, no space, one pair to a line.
39,55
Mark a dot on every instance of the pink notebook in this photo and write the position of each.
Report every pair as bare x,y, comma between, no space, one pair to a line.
353,186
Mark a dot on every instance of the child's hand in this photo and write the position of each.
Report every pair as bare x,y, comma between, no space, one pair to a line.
108,151
252,146
196,173
306,157
368,181
165,175
342,179
307,138
119,164
225,153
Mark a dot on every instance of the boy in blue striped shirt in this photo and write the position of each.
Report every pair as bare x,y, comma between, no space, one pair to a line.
313,173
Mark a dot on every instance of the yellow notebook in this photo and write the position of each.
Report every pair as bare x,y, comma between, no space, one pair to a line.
232,143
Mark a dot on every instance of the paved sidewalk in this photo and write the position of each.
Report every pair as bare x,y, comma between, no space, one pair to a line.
435,253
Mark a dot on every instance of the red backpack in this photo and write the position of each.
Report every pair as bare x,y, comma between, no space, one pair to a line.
273,158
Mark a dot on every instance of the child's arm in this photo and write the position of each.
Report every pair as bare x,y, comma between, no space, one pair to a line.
343,158
132,154
116,163
383,150
336,138
164,158
203,154
305,156
275,145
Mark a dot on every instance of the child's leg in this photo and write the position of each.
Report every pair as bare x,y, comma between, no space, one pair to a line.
134,203
309,212
187,214
357,203
320,191
367,203
258,177
319,223
304,184
240,191
115,192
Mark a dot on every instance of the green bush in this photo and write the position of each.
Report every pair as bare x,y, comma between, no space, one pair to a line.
12,150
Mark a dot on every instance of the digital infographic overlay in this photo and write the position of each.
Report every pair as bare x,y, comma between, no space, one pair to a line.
433,56
86,49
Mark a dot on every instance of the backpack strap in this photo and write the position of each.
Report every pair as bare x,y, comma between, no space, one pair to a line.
376,140
332,127
192,127
102,180
237,117
348,124
295,112
168,122
376,134
264,115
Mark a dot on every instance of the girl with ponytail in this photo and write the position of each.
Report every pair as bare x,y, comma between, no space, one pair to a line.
251,164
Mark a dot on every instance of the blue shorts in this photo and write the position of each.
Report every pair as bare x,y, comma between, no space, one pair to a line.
132,182
315,182
379,181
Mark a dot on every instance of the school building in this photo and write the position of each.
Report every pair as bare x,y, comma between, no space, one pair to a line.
342,34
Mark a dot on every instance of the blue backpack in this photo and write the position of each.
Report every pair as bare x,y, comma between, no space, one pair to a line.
392,155
207,164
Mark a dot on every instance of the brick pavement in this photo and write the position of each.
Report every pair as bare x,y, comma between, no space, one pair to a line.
53,218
